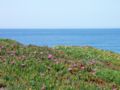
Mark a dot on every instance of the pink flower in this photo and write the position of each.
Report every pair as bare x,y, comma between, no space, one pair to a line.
1,47
82,67
74,65
50,56
92,62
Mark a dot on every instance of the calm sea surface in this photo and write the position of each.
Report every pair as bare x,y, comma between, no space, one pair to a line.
108,39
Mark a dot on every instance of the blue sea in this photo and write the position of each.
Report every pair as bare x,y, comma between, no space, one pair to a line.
108,39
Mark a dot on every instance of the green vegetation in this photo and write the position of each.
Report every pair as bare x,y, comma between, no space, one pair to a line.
59,68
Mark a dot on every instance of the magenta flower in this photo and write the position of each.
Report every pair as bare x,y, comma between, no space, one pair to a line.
50,56
82,67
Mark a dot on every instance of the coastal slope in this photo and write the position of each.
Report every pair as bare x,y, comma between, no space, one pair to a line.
59,68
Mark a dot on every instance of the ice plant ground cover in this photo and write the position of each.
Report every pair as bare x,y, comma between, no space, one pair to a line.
59,68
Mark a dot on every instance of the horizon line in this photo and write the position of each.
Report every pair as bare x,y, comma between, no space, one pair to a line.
59,28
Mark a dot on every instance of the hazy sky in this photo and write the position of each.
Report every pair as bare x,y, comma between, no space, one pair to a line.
59,13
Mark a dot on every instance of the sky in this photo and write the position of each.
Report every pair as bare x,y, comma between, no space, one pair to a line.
59,13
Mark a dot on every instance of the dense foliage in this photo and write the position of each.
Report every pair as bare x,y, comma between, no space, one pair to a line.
59,68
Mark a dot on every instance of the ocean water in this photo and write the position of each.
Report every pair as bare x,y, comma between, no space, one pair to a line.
108,39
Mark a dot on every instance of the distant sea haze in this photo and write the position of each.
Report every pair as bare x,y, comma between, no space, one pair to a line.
108,39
